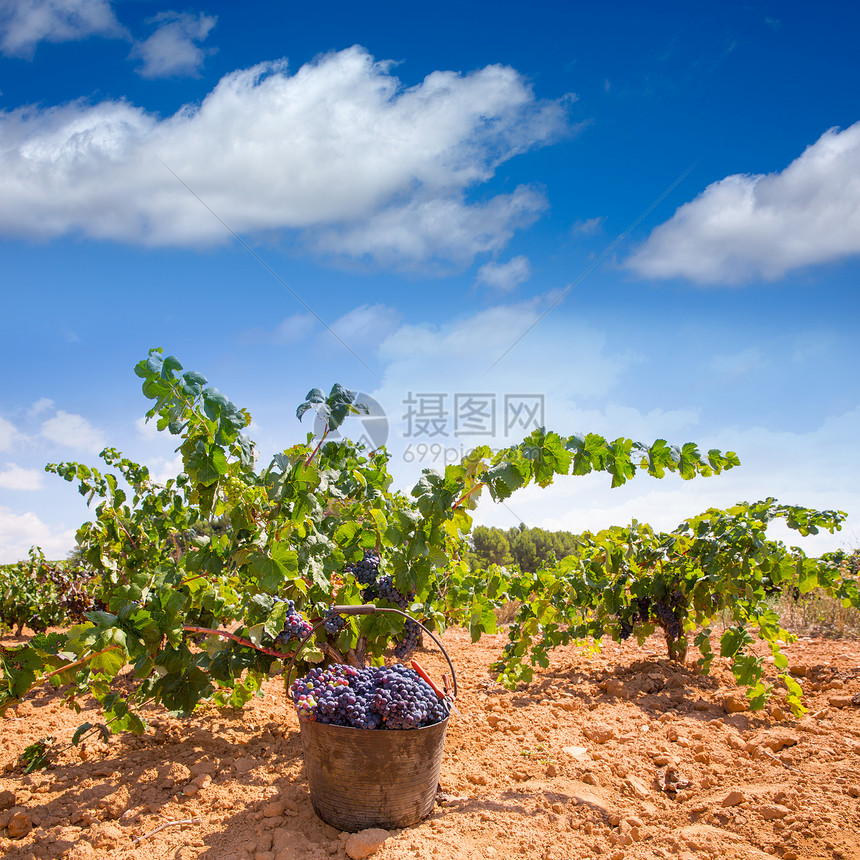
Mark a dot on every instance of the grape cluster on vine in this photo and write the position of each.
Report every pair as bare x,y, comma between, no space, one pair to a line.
665,617
366,570
645,609
406,644
296,626
377,697
333,622
386,590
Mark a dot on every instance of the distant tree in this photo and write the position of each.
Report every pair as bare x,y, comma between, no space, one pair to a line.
529,548
491,546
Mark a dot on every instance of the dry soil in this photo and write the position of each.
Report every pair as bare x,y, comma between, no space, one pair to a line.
616,754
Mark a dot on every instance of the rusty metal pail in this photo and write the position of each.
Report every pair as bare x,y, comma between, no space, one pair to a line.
360,778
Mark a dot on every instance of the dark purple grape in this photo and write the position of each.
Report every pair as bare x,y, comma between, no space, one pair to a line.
295,626
392,697
667,620
333,623
366,570
406,644
387,591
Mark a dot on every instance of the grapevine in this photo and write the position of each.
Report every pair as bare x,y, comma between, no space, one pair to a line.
39,594
625,581
248,557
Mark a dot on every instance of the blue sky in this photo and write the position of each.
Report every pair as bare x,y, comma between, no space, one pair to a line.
638,220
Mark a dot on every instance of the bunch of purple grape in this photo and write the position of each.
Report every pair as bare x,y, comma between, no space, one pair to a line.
377,697
406,644
366,570
333,622
665,617
386,590
295,626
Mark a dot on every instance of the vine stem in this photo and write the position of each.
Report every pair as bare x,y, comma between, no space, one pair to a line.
163,826
74,665
466,495
9,703
319,445
225,635
122,526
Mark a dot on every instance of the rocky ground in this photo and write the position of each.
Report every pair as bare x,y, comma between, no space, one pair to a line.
612,755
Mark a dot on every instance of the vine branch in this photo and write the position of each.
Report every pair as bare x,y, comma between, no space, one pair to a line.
466,495
232,636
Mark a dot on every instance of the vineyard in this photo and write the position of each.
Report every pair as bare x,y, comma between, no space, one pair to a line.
155,687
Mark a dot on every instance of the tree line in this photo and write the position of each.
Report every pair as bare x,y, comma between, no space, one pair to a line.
530,549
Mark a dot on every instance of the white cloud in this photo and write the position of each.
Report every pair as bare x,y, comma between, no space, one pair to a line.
437,378
19,532
162,469
148,430
560,358
15,478
505,277
25,23
42,405
365,325
292,329
589,226
339,150
444,228
73,431
751,226
173,49
9,435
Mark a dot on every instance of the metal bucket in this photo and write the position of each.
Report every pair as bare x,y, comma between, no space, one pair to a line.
360,778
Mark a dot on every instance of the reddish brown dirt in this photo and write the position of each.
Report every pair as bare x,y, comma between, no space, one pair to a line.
571,767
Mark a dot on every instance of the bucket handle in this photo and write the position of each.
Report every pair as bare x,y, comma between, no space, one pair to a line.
372,609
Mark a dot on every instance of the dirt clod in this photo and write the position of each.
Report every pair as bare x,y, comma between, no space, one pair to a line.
735,703
20,824
365,842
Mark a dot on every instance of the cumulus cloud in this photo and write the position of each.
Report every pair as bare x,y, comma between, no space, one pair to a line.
290,330
19,532
13,477
162,469
42,405
9,435
437,387
25,23
505,277
436,229
366,324
762,226
173,50
339,150
589,226
73,431
564,359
